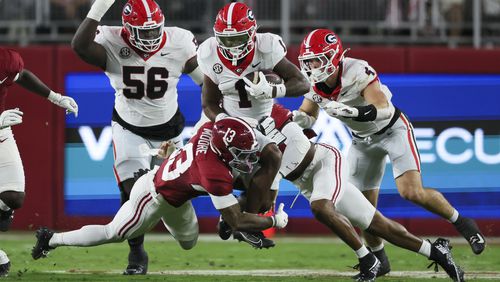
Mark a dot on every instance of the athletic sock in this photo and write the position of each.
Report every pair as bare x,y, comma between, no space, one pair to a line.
90,235
363,251
377,248
425,249
454,217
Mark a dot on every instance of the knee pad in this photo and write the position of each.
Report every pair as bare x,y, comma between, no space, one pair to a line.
188,245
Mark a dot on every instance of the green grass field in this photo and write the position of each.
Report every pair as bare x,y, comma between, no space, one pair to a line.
293,259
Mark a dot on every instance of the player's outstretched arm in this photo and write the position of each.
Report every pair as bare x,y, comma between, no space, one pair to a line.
83,42
210,99
259,195
251,222
295,82
32,83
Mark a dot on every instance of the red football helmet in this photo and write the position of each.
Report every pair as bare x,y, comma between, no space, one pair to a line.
143,20
234,30
320,54
235,142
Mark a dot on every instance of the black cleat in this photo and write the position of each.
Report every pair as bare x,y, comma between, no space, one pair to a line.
368,266
42,248
224,229
6,219
441,254
468,228
137,264
4,264
385,266
256,240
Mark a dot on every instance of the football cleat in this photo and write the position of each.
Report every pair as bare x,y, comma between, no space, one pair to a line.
385,266
137,264
368,266
256,240
4,264
468,228
441,255
6,219
224,229
42,248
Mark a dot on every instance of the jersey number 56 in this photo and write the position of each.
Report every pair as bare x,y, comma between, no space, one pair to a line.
153,88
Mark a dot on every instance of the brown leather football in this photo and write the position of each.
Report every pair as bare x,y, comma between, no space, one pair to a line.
271,77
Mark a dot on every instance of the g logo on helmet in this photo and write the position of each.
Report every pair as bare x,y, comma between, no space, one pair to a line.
127,10
331,38
250,15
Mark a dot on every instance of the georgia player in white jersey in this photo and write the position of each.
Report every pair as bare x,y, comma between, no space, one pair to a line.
349,89
235,51
143,60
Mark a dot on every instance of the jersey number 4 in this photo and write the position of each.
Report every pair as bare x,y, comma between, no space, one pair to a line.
154,87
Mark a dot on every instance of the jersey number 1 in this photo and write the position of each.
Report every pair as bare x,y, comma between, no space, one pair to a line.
155,88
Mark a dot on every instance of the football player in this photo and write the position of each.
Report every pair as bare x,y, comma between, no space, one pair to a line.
202,167
350,90
322,177
143,60
225,59
11,167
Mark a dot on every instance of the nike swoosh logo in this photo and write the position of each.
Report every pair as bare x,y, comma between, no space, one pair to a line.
1,141
254,66
1,81
368,112
164,54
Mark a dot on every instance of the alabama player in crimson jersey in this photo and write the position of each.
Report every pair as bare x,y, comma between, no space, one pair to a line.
322,177
235,51
143,60
11,167
350,90
202,167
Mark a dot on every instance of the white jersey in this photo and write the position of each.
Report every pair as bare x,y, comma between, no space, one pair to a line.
356,76
268,51
145,84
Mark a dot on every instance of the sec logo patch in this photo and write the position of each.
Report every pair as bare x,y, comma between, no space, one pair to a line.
217,68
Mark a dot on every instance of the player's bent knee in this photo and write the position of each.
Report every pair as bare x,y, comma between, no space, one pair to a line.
412,193
319,208
188,245
13,199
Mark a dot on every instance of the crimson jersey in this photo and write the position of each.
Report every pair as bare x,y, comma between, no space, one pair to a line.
195,170
11,64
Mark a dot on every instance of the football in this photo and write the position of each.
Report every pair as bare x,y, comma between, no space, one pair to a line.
271,77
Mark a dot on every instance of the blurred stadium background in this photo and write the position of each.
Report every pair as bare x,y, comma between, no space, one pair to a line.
441,59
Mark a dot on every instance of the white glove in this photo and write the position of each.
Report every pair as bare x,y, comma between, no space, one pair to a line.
64,102
261,90
99,8
280,218
303,119
10,118
336,109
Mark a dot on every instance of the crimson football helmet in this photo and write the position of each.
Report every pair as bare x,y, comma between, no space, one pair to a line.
234,30
320,55
143,20
234,141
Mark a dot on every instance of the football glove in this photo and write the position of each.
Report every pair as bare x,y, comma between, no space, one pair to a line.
65,102
336,109
280,218
99,8
10,118
263,89
303,119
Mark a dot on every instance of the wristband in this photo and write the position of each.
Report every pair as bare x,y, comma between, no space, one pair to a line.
274,221
54,97
366,113
280,91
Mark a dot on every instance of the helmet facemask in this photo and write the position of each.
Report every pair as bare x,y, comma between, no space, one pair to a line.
235,45
325,61
146,38
243,160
